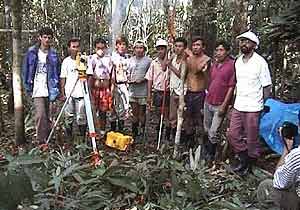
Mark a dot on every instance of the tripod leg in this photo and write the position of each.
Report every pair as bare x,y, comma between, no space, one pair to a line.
60,114
89,114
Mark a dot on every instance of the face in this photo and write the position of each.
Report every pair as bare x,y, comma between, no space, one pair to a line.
246,46
197,47
121,48
221,53
179,48
45,40
74,48
139,50
100,46
161,50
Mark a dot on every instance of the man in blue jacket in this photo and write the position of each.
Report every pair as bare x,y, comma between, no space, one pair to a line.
41,71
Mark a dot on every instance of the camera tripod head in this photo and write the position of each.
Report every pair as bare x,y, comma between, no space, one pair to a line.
81,63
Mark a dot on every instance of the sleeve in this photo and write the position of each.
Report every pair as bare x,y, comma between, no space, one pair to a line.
284,175
264,76
232,79
64,69
25,72
149,74
90,66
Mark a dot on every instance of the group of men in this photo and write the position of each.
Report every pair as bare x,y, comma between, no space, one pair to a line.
122,86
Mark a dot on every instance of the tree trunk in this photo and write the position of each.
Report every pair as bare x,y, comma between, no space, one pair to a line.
17,84
204,16
240,21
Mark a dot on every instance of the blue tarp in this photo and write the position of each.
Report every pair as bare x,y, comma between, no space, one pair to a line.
271,121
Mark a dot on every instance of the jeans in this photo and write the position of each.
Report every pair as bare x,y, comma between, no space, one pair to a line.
212,122
75,108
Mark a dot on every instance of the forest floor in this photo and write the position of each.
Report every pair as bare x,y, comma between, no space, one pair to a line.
222,185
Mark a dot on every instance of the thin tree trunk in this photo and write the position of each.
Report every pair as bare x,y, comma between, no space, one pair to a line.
179,114
203,24
17,84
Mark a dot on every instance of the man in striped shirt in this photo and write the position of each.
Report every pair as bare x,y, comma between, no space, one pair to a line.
285,191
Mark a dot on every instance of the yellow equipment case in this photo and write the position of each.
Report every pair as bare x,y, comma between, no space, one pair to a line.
118,140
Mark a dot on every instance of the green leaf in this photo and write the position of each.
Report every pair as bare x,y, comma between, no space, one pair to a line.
124,182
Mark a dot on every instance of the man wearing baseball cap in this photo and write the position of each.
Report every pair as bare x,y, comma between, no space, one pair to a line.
158,80
253,87
138,66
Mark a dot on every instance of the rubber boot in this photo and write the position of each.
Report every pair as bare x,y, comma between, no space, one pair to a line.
135,129
121,125
211,153
82,130
113,126
168,133
69,130
244,166
190,140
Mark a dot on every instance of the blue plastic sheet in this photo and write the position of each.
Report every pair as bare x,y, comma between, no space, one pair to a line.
271,121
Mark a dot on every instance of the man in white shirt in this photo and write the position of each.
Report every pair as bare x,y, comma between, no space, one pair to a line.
69,75
177,64
253,87
120,60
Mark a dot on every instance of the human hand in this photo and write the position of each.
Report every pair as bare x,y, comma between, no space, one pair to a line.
62,97
188,52
221,111
149,102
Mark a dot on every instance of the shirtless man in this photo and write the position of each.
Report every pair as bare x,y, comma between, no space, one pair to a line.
196,80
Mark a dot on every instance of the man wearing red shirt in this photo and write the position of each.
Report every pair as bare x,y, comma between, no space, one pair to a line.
220,89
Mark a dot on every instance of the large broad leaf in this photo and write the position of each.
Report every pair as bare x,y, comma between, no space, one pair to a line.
124,182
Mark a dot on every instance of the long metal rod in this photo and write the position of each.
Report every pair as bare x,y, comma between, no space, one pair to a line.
61,112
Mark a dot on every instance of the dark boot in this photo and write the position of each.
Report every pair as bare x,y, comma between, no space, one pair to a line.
135,129
243,168
69,130
211,150
190,140
82,130
121,125
168,133
113,126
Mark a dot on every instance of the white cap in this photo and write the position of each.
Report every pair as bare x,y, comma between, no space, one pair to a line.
161,42
249,35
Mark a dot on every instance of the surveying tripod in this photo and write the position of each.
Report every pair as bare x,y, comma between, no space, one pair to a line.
81,63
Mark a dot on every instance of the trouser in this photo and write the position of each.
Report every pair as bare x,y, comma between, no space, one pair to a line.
268,196
243,132
75,110
194,105
138,106
212,122
42,118
174,103
121,103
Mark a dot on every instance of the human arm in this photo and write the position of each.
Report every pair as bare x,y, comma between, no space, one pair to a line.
174,69
265,79
267,92
228,98
149,78
286,167
229,94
